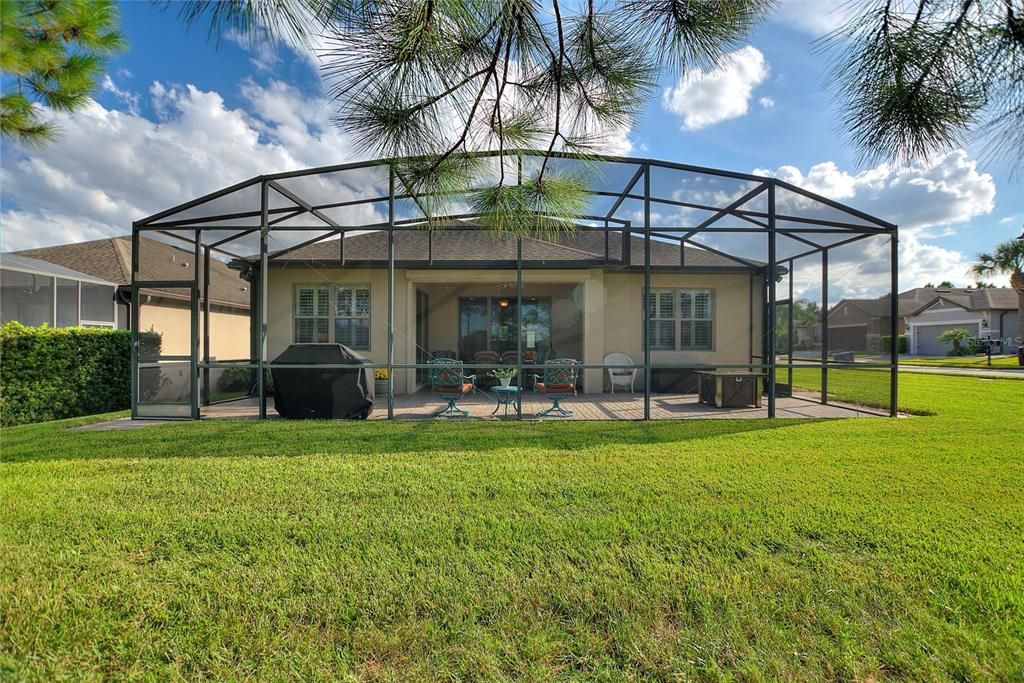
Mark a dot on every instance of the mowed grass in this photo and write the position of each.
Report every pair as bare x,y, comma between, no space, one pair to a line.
1001,362
853,549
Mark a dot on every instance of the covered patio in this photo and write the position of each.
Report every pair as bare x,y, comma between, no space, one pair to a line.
673,271
423,405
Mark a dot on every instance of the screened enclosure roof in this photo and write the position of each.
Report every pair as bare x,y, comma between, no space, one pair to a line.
705,217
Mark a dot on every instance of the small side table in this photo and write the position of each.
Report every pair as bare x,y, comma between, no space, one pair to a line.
506,397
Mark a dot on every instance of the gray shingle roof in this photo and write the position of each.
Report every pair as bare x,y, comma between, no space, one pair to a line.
915,300
26,264
585,248
111,259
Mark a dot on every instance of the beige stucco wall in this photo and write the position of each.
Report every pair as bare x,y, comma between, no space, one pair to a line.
731,335
229,338
603,307
280,305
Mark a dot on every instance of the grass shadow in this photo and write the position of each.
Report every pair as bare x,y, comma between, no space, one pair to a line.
282,438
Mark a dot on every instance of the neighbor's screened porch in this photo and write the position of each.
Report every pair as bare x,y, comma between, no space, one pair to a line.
672,273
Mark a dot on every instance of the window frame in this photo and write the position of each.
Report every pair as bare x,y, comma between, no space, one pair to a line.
693,320
653,319
296,289
353,316
677,319
332,310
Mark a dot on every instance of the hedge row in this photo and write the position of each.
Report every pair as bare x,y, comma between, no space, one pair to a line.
49,374
901,342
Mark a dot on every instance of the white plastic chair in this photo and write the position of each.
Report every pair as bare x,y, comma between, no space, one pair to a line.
621,376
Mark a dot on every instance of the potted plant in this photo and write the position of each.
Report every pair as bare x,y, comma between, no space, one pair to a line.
503,375
380,382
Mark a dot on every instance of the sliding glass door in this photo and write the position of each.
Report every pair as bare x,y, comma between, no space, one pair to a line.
490,324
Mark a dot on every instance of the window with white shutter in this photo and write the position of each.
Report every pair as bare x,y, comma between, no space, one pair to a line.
661,319
352,316
695,319
312,314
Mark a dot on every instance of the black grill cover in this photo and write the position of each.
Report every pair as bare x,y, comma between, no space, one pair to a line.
331,393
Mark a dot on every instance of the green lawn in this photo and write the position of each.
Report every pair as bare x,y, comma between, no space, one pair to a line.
853,549
1002,362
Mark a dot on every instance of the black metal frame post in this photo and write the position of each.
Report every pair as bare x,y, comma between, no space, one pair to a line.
789,332
894,311
824,326
520,377
645,318
206,325
133,320
261,359
391,293
770,323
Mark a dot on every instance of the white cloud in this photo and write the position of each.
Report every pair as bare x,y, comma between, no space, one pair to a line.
262,49
816,17
705,98
928,202
111,167
766,103
947,191
125,97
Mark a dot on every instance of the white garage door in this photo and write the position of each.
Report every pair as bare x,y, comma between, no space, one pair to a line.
928,343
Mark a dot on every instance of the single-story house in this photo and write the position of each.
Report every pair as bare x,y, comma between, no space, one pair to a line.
987,313
35,292
859,324
576,303
924,314
109,261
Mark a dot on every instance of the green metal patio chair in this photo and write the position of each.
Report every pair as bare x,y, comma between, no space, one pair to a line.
559,381
449,383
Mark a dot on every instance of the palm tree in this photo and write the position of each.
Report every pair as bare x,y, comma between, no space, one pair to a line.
1007,259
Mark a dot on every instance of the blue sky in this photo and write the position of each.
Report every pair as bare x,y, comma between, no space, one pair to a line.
183,113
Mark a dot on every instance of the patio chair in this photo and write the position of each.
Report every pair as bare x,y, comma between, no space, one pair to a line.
510,358
486,357
621,376
559,381
449,383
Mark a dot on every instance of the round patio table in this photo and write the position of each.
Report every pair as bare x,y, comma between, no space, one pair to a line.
506,397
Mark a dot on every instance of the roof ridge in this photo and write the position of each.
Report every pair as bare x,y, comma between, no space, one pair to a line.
120,258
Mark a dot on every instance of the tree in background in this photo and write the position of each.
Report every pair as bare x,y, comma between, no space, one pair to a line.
436,80
439,78
915,77
1006,259
52,54
945,284
964,343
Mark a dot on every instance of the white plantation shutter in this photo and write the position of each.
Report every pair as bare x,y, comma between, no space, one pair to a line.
661,320
352,316
695,311
312,314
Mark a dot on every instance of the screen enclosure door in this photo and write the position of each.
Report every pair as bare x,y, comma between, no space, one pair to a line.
165,382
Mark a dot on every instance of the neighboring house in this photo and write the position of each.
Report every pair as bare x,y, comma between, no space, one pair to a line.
924,313
109,261
859,324
806,336
582,299
35,292
985,313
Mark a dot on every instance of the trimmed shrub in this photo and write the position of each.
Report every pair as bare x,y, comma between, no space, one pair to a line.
50,374
901,343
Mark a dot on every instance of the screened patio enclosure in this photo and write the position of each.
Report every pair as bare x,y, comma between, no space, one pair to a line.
674,278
